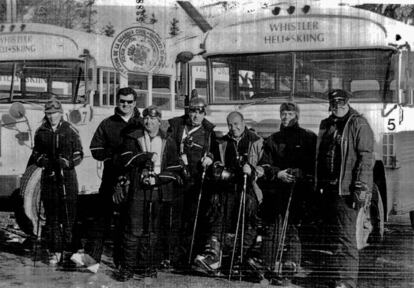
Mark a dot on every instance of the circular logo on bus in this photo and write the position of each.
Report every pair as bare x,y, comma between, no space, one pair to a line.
138,49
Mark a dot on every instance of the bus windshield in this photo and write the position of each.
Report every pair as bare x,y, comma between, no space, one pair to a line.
303,76
31,80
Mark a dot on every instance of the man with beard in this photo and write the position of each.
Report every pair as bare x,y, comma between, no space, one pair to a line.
104,146
193,135
344,178
149,162
234,170
288,163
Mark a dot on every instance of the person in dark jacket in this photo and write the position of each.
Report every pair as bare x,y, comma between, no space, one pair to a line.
193,135
104,145
150,165
288,159
238,154
58,149
344,178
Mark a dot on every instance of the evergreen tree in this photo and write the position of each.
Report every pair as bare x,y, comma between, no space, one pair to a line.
174,29
108,30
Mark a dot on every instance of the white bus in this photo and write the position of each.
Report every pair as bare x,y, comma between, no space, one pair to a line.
254,62
77,67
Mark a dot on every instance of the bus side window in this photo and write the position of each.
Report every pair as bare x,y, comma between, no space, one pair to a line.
105,82
161,92
139,83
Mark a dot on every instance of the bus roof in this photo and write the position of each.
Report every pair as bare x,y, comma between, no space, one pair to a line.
33,41
303,29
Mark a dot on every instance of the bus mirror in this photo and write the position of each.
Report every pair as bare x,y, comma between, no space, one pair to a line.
90,71
17,110
184,57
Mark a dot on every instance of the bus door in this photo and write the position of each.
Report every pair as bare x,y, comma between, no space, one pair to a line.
398,139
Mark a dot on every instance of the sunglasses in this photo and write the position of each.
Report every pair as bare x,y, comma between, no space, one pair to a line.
197,109
126,101
53,105
337,102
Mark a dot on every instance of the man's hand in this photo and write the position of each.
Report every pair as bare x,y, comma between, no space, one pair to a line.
63,162
42,161
359,193
121,190
206,161
154,158
247,169
284,176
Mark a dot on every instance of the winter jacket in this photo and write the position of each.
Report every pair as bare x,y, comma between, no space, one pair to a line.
250,145
106,142
291,147
64,142
357,145
133,158
202,138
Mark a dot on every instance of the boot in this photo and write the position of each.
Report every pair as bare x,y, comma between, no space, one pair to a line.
209,261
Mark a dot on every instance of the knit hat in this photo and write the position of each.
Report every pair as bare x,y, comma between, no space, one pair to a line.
290,106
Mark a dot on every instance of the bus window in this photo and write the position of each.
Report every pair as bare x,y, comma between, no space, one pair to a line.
112,87
105,82
161,92
246,84
139,83
221,76
301,75
388,150
33,78
267,80
201,86
62,88
366,89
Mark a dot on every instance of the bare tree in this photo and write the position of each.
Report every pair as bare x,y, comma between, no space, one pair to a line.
404,13
72,14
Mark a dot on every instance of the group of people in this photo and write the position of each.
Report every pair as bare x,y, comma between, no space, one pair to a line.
191,200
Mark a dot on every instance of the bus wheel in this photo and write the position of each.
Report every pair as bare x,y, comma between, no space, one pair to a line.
412,218
370,221
29,209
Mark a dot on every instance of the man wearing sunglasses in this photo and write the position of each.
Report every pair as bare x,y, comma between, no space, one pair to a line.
193,135
344,179
104,146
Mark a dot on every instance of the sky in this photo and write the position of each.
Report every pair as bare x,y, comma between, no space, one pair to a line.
204,2
121,13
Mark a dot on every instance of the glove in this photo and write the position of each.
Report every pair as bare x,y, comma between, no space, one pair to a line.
121,190
184,169
295,172
42,161
247,169
63,163
360,194
206,161
149,179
